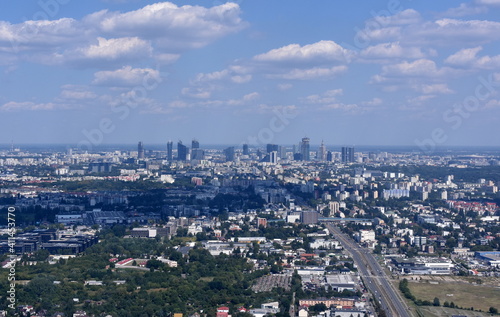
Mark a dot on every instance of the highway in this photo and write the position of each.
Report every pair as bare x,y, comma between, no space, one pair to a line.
373,276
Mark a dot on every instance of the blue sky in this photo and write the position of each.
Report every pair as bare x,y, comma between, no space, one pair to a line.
250,71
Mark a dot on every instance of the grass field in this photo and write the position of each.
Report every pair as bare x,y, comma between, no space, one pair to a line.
458,291
431,311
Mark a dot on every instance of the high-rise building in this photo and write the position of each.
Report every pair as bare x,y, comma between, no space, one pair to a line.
140,151
170,151
197,154
195,144
272,147
347,154
282,152
229,153
246,151
329,156
321,155
305,149
273,157
182,151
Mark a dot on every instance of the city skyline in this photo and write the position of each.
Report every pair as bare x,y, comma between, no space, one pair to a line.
388,73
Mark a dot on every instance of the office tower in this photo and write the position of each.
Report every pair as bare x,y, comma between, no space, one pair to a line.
321,155
197,154
297,157
347,154
182,151
246,151
329,156
272,147
304,149
229,153
195,144
140,150
273,157
170,151
282,152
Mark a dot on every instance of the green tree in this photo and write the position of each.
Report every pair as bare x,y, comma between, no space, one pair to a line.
436,302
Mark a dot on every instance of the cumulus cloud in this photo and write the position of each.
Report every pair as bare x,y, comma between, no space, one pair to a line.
329,96
126,77
433,89
390,51
416,31
311,73
40,35
418,68
319,52
174,28
468,58
160,32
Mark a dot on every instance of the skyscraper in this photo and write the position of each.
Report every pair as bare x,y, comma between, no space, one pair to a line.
321,155
182,151
140,150
245,149
197,154
329,156
273,157
271,147
229,153
170,151
195,144
347,154
305,149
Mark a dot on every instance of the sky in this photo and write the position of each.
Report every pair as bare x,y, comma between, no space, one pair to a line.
394,72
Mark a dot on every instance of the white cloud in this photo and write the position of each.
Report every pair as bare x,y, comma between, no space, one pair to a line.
468,58
433,89
106,51
29,106
489,2
391,50
284,87
465,9
317,53
449,31
408,16
173,27
241,79
198,92
464,56
244,100
39,35
127,77
207,77
441,32
160,32
324,98
418,68
372,103
69,94
311,73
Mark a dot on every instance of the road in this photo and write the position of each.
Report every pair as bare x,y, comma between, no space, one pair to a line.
373,276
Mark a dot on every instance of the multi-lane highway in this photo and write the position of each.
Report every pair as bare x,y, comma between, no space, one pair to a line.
373,276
